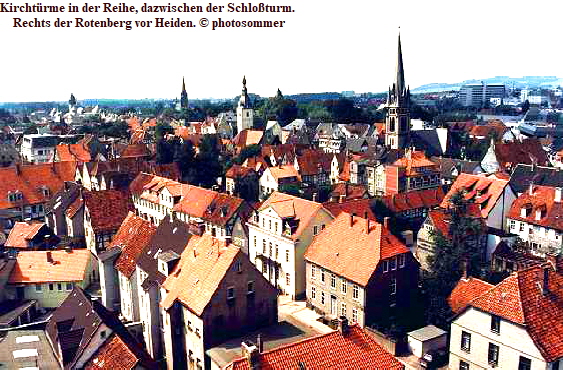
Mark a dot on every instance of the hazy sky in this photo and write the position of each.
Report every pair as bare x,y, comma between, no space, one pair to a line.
324,46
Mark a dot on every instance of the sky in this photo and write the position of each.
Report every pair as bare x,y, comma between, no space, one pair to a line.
323,46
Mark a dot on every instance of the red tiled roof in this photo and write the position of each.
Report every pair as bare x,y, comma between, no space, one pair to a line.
201,269
280,172
74,207
133,236
349,191
136,150
247,137
511,153
238,171
465,291
289,206
116,354
413,161
21,233
107,208
358,207
490,187
542,200
520,299
350,251
30,179
209,205
428,199
312,161
73,152
353,350
34,266
440,220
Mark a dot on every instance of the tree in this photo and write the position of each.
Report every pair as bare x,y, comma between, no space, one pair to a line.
454,254
248,152
30,129
184,156
164,152
247,187
525,106
208,162
162,129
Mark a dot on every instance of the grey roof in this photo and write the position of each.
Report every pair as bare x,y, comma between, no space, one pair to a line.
427,333
27,349
355,145
523,174
446,166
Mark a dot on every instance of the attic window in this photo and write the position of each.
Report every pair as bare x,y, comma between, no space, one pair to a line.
526,210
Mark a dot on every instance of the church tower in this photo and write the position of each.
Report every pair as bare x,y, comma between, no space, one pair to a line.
184,103
398,120
245,112
72,104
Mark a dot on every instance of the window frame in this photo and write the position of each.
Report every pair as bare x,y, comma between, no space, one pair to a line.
493,354
495,324
465,343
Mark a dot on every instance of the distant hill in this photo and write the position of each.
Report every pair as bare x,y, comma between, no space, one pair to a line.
517,82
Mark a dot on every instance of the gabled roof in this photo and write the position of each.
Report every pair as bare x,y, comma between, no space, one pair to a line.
349,191
118,354
50,266
466,290
74,207
73,324
238,171
543,201
133,236
413,161
527,151
78,152
209,205
358,207
520,299
312,161
428,198
353,350
280,172
289,206
202,267
30,179
136,150
247,137
22,233
484,190
346,248
446,165
107,208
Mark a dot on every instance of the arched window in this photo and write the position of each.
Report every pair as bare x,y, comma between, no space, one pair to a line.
392,124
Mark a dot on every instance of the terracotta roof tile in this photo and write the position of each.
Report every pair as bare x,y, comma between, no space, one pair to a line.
429,198
197,276
78,152
34,266
107,208
136,150
133,236
354,350
520,299
350,251
465,291
247,137
359,207
30,179
22,233
349,191
542,201
238,171
74,207
511,153
279,172
289,206
476,186
113,354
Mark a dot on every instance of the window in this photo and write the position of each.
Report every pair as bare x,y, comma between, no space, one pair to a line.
393,286
189,326
287,255
493,354
323,298
276,255
59,286
255,242
322,277
344,286
392,264
313,292
332,281
342,309
230,293
238,266
250,287
270,224
263,246
38,288
495,323
555,365
463,365
385,266
356,292
401,259
512,224
315,230
313,272
276,227
465,341
521,226
524,363
287,279
51,287
264,267
197,333
354,314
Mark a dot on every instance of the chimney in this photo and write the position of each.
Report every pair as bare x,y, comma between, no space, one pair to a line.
367,222
28,221
552,259
346,189
66,185
545,286
351,219
386,222
464,269
558,194
341,198
531,188
343,325
314,197
250,352
50,257
18,169
260,343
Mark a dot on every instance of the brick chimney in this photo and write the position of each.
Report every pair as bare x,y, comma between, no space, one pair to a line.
343,327
50,257
250,352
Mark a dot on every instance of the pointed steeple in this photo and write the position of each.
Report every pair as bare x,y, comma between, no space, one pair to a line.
244,100
184,95
400,79
183,84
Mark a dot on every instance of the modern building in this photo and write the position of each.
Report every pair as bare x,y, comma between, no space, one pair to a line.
479,95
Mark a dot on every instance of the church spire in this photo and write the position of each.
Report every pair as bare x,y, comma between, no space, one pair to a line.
183,84
400,79
184,96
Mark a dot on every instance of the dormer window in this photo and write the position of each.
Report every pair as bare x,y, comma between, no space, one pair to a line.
17,195
45,191
526,211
